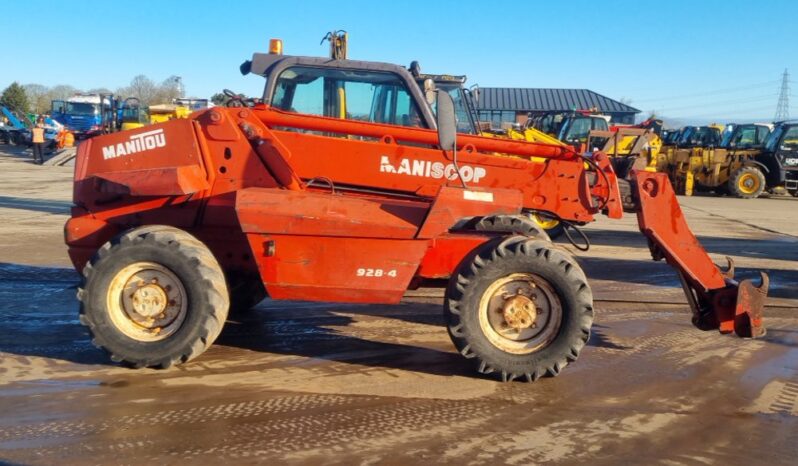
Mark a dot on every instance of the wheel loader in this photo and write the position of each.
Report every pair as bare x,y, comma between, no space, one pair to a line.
689,146
631,146
729,166
358,204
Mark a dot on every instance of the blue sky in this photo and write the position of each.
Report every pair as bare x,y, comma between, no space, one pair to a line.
687,59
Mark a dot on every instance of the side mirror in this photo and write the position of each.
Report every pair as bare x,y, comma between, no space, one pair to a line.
429,91
445,119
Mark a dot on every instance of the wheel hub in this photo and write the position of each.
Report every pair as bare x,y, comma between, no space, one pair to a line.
150,300
519,312
147,301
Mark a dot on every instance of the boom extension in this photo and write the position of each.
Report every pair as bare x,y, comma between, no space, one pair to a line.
716,299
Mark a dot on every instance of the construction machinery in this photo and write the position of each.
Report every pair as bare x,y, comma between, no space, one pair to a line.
630,147
571,128
14,126
130,114
780,158
703,160
669,136
315,193
179,108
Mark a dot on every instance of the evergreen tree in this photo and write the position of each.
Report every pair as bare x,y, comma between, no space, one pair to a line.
14,97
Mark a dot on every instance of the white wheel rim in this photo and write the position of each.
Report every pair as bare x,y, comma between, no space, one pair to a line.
146,301
520,313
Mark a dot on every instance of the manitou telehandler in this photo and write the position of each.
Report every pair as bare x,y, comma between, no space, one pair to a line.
340,185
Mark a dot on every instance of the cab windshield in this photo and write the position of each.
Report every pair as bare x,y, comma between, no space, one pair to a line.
371,96
671,137
131,114
699,136
82,108
745,137
577,128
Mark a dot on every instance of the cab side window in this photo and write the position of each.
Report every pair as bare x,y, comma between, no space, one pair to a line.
371,96
762,133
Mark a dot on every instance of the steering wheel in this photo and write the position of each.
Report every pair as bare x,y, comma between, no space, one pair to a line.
236,100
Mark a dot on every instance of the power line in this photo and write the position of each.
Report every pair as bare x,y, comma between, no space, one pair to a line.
715,92
783,107
723,103
745,112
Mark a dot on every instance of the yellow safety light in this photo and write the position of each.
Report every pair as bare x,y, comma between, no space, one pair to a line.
276,46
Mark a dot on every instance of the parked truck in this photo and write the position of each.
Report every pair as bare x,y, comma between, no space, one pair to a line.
86,115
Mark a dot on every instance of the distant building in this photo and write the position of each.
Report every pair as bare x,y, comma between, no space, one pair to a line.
512,105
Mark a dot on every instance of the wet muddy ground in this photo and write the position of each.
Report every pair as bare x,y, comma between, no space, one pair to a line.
348,384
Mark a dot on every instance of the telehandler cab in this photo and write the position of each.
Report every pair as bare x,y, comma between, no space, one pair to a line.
340,185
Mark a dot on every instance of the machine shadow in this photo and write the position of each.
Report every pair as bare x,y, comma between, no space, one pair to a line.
761,248
330,333
37,205
39,318
39,315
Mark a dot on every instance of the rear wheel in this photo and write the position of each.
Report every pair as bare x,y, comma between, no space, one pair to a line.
153,297
519,308
747,183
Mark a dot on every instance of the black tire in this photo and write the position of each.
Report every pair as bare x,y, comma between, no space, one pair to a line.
497,261
519,224
747,183
199,275
246,291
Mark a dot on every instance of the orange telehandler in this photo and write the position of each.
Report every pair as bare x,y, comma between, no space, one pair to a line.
341,184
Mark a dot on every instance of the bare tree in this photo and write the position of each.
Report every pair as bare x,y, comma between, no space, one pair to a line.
62,92
142,88
38,98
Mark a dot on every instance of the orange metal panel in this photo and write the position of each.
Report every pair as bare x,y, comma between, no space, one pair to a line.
170,181
314,213
555,185
446,252
454,204
313,268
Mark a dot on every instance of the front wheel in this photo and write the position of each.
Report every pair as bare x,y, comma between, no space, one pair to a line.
153,297
747,183
519,308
